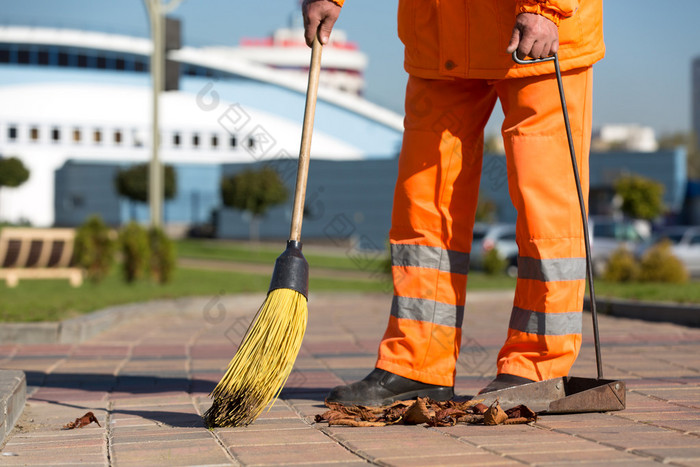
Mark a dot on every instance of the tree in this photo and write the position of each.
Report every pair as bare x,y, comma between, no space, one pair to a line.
13,173
253,191
132,183
642,198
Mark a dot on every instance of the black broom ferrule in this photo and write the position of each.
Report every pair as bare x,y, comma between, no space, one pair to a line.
291,270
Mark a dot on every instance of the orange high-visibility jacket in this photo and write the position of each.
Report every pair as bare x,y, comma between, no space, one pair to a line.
468,38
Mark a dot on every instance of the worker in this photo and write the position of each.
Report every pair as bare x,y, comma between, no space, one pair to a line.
458,57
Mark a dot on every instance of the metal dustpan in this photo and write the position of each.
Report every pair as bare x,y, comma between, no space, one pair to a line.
568,394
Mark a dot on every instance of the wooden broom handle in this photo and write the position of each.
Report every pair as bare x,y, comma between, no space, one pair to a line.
305,150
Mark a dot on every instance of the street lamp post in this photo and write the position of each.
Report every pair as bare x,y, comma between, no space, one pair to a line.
156,12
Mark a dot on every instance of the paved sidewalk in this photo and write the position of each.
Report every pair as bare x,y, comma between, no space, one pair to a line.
147,380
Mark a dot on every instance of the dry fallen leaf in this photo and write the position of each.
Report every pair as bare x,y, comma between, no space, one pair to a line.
495,415
418,413
412,412
82,421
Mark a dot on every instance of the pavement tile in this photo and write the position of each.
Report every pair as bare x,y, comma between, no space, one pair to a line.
670,453
347,433
468,432
487,459
633,461
162,350
636,440
685,426
244,437
284,454
160,433
59,459
221,351
590,454
658,417
101,350
171,453
523,439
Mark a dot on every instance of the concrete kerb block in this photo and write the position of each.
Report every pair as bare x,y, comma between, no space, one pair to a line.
13,395
29,333
81,328
676,313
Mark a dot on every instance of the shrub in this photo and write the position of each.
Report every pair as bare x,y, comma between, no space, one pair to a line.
659,264
494,263
622,266
94,248
162,255
133,240
642,198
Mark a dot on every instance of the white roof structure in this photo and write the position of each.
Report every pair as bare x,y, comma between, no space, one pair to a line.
217,58
247,112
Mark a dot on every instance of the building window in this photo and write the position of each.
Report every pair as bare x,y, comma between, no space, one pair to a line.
195,140
97,136
55,134
23,56
232,142
34,133
214,141
176,140
12,133
137,138
76,135
117,137
43,57
63,59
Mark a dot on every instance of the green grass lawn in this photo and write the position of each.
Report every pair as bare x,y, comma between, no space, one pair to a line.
52,300
266,253
650,291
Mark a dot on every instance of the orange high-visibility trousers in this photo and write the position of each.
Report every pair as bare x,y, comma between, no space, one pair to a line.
432,221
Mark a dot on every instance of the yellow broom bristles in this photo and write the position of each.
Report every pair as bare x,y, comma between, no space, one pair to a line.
263,362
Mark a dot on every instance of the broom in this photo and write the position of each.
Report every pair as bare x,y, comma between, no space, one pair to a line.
264,360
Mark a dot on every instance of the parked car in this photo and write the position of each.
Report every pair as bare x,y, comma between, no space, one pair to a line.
685,245
610,234
495,236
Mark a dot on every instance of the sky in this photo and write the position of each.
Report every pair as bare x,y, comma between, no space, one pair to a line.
644,78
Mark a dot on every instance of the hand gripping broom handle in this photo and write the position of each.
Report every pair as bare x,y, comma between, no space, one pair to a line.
584,218
305,150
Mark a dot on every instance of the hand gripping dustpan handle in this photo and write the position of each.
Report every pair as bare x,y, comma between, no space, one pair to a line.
305,150
584,217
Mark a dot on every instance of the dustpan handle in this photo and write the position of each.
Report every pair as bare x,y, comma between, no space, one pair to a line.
305,150
584,218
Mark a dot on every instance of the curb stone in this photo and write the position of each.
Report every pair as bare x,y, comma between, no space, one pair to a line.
676,313
13,394
81,328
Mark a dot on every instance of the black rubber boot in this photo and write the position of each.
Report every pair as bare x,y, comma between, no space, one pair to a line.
503,381
381,387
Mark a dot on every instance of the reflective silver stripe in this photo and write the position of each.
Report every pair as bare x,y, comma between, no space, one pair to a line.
429,257
545,324
549,270
420,309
